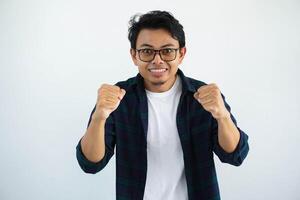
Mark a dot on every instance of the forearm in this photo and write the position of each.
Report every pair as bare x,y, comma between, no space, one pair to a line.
93,143
228,134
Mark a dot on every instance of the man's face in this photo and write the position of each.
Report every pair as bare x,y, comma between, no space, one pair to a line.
157,39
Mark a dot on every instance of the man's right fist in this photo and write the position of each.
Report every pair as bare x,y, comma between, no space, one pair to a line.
108,100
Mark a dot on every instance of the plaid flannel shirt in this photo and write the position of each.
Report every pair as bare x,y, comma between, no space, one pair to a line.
126,129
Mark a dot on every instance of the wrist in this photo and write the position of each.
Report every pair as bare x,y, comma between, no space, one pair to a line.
100,115
224,117
98,119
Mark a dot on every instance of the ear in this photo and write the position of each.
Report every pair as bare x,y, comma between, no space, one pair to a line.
182,53
133,56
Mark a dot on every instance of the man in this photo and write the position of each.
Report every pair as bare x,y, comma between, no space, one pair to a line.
165,126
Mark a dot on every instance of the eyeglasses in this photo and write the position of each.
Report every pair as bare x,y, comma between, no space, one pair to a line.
167,54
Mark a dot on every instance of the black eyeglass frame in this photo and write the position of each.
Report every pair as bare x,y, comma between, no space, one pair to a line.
159,52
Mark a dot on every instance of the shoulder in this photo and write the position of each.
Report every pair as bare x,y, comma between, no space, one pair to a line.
127,84
193,83
196,82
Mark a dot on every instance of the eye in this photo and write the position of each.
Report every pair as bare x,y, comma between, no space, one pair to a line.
167,51
147,51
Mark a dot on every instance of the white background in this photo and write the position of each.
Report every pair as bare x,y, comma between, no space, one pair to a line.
54,55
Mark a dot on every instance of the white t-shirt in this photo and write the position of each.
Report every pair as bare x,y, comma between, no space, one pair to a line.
165,172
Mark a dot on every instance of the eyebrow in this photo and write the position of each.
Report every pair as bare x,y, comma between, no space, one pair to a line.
148,45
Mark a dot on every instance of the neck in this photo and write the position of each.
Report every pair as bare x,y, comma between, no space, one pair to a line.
160,86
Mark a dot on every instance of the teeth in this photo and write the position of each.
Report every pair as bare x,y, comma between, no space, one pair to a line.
158,70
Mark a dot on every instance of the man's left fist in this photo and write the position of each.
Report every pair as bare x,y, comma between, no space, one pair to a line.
209,96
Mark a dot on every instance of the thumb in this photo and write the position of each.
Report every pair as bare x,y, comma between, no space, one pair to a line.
122,93
196,95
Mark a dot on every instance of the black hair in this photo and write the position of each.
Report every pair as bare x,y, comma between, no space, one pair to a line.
155,20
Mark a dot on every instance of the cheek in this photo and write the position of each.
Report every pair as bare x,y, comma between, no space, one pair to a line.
142,66
173,66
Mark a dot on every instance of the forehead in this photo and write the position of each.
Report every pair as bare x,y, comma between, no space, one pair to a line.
155,38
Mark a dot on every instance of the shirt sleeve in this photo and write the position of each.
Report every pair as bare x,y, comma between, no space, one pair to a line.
239,154
110,140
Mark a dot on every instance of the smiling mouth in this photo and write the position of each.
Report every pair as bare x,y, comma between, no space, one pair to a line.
157,71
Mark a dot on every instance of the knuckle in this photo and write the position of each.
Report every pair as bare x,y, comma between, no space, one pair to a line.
104,85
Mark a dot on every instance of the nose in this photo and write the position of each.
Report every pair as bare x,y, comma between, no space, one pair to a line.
157,59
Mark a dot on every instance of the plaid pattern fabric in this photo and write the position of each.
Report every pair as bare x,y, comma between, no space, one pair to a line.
126,129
